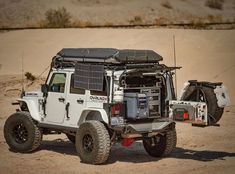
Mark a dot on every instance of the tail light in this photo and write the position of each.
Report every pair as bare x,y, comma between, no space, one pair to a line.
127,142
116,109
186,116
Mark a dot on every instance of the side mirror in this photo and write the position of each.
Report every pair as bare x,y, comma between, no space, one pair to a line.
45,88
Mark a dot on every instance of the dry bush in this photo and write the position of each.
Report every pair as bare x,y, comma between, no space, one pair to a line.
215,4
198,25
214,19
166,4
161,21
108,24
29,76
59,18
81,24
136,21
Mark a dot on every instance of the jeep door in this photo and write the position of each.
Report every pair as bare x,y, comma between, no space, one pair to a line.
55,104
76,100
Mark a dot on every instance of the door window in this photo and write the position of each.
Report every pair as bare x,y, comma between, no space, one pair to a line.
57,83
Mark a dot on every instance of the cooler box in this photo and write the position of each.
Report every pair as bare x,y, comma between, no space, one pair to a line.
137,106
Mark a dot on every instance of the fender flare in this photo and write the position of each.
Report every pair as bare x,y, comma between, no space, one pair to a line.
33,109
101,117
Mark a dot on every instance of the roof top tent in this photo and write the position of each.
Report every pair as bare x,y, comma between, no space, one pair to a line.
68,57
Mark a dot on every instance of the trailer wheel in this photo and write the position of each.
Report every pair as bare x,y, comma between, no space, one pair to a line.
207,95
163,145
21,133
93,142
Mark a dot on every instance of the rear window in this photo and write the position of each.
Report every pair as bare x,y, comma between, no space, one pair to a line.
104,92
74,90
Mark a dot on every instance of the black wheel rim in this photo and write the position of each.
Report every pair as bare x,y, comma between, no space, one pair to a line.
20,133
88,143
193,97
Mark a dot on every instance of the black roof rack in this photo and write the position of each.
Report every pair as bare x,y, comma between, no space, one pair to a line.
68,57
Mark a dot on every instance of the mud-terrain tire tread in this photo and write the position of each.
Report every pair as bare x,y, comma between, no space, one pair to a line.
164,147
102,140
37,134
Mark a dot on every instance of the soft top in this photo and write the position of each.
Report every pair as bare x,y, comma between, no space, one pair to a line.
107,55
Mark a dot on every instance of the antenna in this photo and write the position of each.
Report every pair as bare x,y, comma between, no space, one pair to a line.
22,72
175,66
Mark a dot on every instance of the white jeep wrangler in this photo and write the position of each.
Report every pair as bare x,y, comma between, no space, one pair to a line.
99,96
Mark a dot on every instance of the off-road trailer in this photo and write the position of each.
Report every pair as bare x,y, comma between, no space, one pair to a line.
100,96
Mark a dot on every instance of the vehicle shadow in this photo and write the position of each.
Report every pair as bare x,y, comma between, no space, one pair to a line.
136,153
59,145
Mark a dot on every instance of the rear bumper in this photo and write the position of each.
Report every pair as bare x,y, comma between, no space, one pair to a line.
144,129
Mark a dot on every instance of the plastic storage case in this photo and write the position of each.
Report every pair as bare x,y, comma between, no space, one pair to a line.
137,105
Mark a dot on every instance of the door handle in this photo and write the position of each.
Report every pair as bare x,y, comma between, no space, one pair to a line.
80,101
67,110
61,99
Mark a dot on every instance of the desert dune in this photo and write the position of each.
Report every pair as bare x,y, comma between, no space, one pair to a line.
204,55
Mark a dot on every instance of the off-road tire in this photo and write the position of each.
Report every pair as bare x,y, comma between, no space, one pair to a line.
163,144
213,110
71,138
100,139
18,124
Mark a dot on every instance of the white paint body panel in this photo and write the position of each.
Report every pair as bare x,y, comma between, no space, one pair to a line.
185,87
55,110
200,110
222,96
33,107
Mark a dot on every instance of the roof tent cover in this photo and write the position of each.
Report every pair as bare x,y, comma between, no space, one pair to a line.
138,56
108,55
102,53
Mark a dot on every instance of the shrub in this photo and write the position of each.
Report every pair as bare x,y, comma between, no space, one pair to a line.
81,24
215,4
59,18
161,21
214,19
108,24
29,76
166,4
137,20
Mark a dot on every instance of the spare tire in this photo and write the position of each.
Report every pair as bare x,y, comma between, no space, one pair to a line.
206,94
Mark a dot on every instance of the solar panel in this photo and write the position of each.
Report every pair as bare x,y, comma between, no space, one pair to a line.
89,76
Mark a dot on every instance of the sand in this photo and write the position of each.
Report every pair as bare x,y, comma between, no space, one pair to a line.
204,55
25,13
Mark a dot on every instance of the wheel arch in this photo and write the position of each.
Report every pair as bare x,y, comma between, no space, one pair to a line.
93,114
